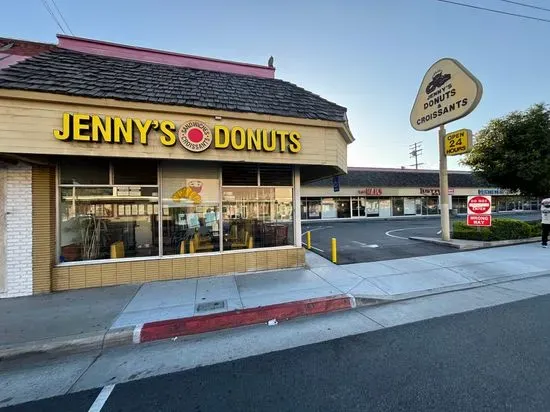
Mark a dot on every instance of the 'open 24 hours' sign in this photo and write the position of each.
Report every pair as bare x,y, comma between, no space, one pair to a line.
459,142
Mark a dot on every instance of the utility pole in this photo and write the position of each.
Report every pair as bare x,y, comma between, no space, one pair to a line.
415,150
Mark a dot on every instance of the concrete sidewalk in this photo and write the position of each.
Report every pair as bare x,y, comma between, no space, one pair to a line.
93,319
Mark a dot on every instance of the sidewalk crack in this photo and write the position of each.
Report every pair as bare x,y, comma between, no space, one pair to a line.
369,318
123,309
70,390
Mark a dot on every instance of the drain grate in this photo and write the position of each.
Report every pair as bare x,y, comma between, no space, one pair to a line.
208,306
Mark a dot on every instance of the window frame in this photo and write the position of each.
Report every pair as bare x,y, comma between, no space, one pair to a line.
59,186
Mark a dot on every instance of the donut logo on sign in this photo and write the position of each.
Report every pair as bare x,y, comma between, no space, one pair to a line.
195,136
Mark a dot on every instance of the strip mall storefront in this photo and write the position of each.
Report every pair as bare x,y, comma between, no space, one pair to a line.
320,201
104,191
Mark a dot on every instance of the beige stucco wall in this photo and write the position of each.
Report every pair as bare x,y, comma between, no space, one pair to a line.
28,119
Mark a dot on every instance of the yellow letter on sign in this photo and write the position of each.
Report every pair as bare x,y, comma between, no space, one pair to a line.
221,137
65,132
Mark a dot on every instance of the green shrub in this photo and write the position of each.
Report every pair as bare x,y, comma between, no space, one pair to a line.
536,227
501,229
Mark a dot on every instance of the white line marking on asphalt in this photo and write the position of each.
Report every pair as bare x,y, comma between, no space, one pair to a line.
388,233
364,244
137,334
317,228
101,398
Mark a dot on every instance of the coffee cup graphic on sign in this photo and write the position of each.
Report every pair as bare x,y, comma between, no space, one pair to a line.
438,80
196,185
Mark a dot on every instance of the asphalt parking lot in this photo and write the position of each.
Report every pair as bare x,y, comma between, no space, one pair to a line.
374,240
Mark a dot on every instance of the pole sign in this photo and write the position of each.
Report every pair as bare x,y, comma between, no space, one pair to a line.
448,92
479,211
458,143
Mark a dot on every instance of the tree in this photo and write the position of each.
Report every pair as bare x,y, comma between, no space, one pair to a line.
513,152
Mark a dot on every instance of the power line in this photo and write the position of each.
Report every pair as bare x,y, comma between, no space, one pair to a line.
47,6
525,5
494,11
63,18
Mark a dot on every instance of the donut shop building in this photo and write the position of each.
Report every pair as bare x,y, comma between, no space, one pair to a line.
125,165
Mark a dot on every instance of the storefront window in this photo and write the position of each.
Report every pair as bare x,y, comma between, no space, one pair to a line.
85,171
257,215
459,204
314,208
398,206
385,207
372,207
358,206
108,222
328,208
409,206
343,207
111,209
430,206
190,206
102,218
303,208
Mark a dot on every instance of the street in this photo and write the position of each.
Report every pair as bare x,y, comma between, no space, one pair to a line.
375,240
488,359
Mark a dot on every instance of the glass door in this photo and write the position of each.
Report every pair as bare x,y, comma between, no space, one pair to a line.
358,207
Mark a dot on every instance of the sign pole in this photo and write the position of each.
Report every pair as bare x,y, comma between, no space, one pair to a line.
444,187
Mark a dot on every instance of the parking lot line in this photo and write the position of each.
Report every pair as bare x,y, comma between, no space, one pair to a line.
101,398
389,232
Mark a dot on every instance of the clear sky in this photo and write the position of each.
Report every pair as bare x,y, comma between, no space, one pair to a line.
367,55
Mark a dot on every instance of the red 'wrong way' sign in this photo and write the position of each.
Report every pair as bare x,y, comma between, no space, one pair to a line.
479,205
479,220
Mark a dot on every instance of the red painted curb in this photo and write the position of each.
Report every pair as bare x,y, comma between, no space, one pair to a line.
208,323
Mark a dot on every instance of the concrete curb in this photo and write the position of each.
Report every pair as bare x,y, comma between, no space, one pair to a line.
166,329
473,243
61,345
454,288
245,317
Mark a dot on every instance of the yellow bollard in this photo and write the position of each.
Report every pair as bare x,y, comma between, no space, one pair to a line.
333,250
308,240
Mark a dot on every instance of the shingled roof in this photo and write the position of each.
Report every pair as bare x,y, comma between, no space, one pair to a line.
361,177
80,74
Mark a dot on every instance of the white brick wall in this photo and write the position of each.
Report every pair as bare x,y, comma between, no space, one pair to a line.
16,224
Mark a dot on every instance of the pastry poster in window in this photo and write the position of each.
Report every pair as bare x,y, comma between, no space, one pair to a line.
195,191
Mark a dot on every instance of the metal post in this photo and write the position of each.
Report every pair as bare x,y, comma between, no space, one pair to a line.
308,239
443,187
333,254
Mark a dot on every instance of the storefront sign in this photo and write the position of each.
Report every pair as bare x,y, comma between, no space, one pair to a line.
489,192
458,143
195,135
434,191
371,191
265,140
448,92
